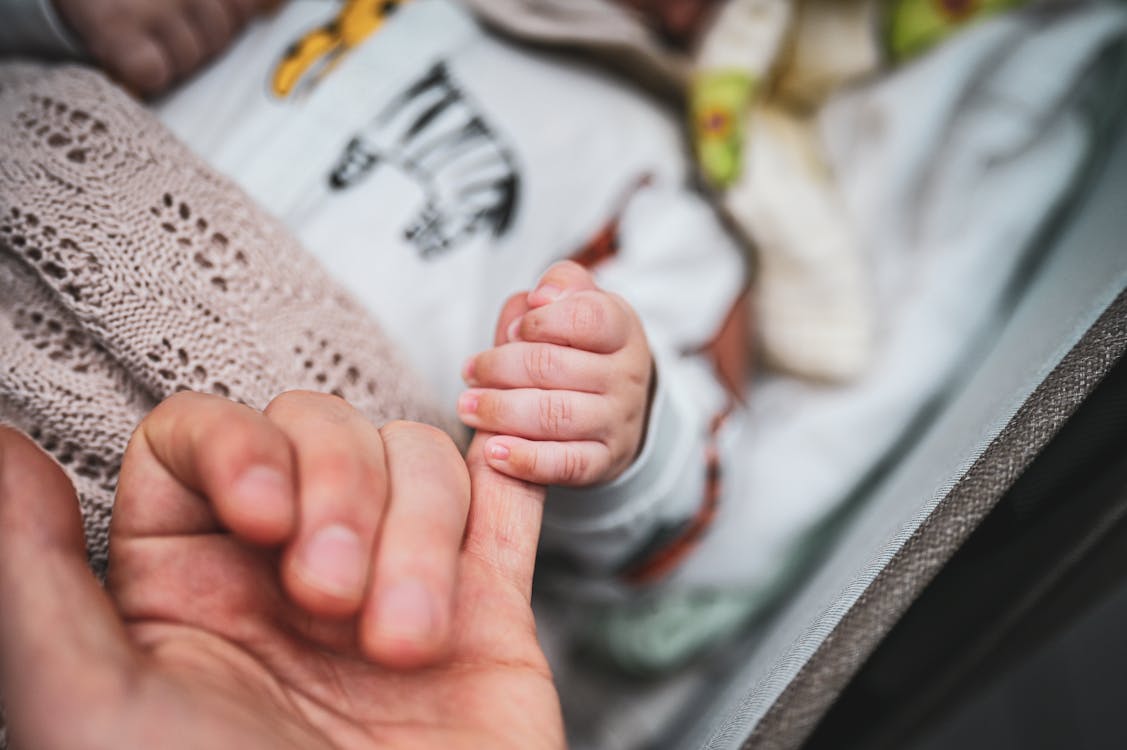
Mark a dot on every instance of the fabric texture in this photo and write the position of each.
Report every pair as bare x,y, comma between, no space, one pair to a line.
762,77
763,71
804,701
437,169
949,194
129,271
607,32
448,141
918,421
1069,326
937,223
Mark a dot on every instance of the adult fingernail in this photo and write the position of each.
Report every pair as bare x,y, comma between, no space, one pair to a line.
267,491
333,561
407,612
467,402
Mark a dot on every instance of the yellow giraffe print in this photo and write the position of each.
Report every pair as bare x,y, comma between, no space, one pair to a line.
319,51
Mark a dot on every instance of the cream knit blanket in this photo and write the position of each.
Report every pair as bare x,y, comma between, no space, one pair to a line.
129,270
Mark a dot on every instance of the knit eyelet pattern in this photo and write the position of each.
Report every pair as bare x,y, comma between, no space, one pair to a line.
130,270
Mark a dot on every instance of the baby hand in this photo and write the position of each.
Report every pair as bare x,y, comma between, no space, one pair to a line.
567,386
149,44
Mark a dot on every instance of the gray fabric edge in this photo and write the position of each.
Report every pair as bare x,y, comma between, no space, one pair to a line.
825,674
760,707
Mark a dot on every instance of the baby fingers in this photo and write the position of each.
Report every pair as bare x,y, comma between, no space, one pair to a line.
549,366
569,464
590,320
537,414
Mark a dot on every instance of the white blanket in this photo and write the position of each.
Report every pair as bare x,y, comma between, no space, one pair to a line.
951,169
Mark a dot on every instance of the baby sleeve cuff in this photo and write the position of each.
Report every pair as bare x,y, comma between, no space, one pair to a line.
600,527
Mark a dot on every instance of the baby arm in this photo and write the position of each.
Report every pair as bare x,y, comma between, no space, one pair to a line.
567,386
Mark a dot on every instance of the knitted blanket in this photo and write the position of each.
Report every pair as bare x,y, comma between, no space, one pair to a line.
129,270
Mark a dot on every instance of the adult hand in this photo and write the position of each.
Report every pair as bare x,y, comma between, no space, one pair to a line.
210,635
150,44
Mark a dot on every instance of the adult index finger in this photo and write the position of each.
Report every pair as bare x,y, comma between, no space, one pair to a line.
503,528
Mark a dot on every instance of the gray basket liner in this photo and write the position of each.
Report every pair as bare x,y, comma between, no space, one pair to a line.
1064,336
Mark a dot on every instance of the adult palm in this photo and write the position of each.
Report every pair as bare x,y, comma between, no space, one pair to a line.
195,644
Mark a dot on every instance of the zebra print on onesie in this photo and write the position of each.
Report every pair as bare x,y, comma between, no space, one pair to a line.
434,169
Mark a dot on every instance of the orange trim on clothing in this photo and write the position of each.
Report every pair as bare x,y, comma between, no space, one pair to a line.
601,247
605,244
665,559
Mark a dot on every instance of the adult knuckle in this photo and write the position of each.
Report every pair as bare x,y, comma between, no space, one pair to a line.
185,403
179,400
424,446
207,419
338,470
342,480
333,407
326,407
431,434
286,400
406,429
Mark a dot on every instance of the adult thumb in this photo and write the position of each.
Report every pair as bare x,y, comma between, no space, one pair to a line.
503,527
62,646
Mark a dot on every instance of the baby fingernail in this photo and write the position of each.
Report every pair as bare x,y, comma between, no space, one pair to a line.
467,402
407,612
549,292
499,451
333,561
513,334
467,370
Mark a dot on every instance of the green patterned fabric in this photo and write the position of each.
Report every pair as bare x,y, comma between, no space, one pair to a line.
719,103
915,26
